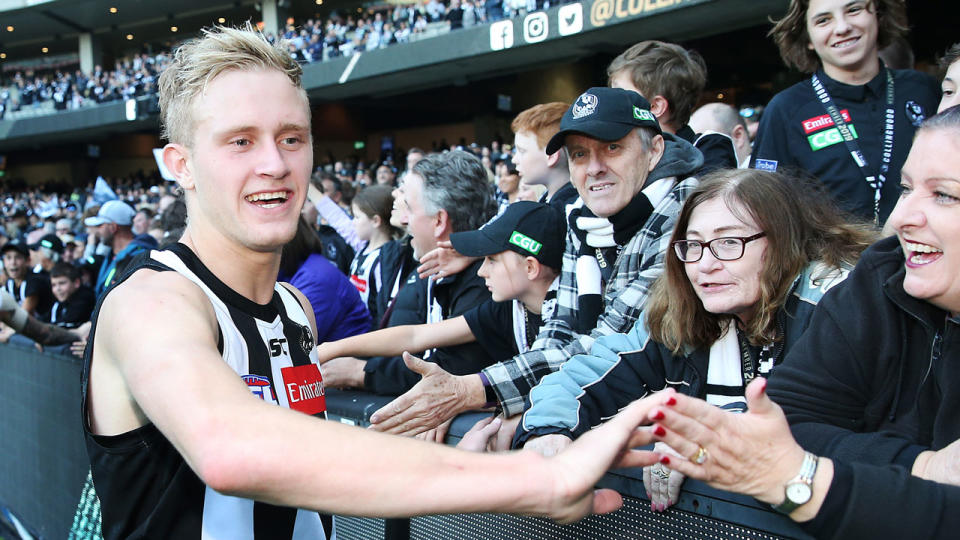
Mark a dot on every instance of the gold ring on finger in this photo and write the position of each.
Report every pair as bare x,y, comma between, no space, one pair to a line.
700,456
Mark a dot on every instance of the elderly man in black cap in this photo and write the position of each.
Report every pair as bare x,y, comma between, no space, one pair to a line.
632,179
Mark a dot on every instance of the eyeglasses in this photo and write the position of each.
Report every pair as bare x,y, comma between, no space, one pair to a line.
726,248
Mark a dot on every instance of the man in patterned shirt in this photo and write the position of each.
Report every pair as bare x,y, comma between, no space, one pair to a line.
632,179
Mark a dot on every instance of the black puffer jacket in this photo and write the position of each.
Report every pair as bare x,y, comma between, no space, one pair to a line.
874,381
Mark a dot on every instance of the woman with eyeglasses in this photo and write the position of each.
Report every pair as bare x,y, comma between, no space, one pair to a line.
871,391
752,254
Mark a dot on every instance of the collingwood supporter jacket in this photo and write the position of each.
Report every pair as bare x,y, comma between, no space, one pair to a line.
146,489
797,134
874,381
621,368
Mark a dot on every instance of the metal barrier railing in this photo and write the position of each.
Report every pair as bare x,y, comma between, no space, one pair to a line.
44,465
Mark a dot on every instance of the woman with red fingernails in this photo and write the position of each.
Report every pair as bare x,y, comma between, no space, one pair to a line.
752,254
872,389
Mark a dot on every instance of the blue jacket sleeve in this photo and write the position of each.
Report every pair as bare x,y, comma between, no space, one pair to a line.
588,389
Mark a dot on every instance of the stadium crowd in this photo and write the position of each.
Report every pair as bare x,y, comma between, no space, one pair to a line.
626,248
341,34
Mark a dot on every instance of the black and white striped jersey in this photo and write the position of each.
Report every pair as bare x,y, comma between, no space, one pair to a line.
146,488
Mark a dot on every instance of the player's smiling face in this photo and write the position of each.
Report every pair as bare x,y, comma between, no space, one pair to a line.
251,157
843,33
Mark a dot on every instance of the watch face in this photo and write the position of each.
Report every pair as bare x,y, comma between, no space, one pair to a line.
798,493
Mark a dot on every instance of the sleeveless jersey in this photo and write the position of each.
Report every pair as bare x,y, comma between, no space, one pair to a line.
146,489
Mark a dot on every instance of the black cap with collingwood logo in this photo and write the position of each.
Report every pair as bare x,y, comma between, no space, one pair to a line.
529,228
606,114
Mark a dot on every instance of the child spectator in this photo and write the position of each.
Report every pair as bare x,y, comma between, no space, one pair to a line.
532,130
522,252
508,189
28,289
74,301
371,220
852,121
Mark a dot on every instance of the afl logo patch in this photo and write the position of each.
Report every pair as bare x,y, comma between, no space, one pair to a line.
914,113
306,339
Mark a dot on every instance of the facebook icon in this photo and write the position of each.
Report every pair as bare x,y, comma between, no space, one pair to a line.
501,35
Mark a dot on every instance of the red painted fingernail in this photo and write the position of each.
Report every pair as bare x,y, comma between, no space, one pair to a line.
671,400
763,388
665,460
658,415
659,431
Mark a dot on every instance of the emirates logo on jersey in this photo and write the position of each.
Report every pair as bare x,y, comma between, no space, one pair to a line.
304,388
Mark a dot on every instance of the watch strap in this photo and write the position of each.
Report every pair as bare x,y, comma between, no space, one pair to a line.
807,471
488,392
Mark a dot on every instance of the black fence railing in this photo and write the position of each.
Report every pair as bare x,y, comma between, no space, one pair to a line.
43,465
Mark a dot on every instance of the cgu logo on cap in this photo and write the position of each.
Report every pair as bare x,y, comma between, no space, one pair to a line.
585,105
641,114
525,242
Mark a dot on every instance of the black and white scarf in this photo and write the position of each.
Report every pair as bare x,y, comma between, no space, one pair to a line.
601,240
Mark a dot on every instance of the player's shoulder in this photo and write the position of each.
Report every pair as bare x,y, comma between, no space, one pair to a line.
150,297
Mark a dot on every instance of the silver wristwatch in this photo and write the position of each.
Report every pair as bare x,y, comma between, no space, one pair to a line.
799,490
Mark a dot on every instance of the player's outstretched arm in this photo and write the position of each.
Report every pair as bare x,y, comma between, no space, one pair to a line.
159,363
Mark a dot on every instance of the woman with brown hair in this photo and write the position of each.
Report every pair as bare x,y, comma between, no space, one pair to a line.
870,391
753,253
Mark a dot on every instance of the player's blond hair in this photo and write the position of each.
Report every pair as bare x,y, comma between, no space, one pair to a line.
199,61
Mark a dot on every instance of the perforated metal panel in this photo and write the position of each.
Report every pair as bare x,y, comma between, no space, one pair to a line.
634,520
354,528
